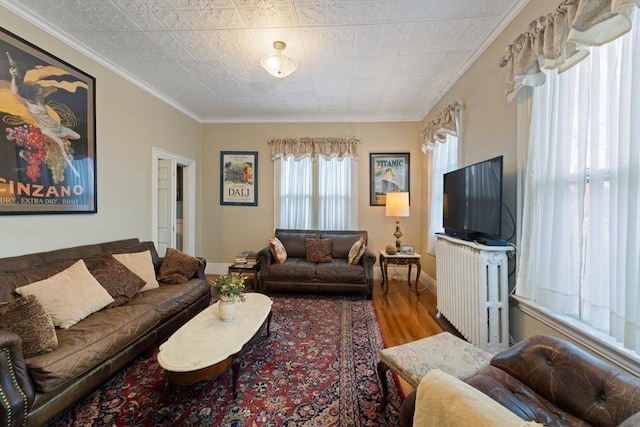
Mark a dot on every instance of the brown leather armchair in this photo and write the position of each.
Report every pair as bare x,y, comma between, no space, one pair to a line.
553,382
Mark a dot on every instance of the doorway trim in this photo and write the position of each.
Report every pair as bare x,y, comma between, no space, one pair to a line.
189,201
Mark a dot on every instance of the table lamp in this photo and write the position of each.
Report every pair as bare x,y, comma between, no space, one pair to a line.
397,205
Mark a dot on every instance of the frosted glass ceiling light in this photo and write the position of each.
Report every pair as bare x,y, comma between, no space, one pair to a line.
277,64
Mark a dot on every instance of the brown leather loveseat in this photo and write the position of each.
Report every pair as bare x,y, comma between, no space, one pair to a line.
35,389
336,275
555,383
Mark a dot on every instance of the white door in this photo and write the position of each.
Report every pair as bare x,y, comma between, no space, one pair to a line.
166,205
167,208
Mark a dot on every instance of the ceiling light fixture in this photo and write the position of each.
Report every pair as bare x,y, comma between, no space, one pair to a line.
277,64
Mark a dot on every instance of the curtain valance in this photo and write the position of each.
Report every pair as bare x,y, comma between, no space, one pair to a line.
437,129
562,38
313,147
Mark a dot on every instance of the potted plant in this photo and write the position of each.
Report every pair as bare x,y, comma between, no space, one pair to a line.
231,290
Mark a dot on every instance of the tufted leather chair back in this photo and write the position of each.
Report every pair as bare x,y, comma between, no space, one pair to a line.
572,379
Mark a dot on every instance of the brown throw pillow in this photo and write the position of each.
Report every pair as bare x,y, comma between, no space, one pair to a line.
30,320
318,250
356,251
177,267
278,250
121,283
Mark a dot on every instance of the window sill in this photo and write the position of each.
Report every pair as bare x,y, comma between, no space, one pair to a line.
589,338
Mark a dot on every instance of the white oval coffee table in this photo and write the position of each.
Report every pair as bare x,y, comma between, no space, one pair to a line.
206,346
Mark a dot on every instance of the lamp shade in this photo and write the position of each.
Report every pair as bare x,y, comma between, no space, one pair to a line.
277,64
397,204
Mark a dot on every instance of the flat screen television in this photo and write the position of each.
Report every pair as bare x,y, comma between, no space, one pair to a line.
472,201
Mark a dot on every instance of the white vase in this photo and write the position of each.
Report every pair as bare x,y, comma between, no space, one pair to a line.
227,307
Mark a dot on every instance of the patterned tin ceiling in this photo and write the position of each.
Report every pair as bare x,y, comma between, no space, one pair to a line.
358,60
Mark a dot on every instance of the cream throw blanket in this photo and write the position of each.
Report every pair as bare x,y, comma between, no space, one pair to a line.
443,400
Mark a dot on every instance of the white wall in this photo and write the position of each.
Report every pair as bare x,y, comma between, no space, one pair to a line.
129,121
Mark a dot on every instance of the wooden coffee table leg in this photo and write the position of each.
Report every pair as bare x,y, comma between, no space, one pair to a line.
235,369
269,323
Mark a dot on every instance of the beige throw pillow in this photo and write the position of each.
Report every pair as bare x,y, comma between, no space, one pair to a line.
142,265
70,295
278,250
356,251
30,320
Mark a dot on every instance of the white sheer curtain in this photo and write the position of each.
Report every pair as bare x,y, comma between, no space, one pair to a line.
294,193
337,192
443,158
580,250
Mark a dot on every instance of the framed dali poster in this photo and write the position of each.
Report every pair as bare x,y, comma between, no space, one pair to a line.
47,132
389,173
239,178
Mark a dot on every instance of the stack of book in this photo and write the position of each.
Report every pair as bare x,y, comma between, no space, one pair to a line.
247,259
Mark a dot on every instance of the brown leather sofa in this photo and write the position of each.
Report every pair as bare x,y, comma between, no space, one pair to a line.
95,348
555,383
337,276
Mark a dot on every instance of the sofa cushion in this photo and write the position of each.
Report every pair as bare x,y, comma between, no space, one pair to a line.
169,299
30,320
177,267
278,250
318,250
292,270
140,263
70,295
339,271
118,280
89,343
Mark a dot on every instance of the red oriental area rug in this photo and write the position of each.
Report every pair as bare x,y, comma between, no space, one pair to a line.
316,368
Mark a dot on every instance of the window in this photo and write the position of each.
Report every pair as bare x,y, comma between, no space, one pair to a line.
320,193
444,158
580,248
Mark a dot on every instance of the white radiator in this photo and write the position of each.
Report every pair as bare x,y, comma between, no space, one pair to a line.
473,291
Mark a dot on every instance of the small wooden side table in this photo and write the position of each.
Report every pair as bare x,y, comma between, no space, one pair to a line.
247,271
399,259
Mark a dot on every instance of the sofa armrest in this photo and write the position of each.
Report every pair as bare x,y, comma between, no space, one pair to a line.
16,386
200,274
368,260
265,258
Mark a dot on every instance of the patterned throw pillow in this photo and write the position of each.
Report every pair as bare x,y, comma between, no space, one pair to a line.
318,250
356,251
27,318
70,295
121,283
141,263
278,250
177,267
